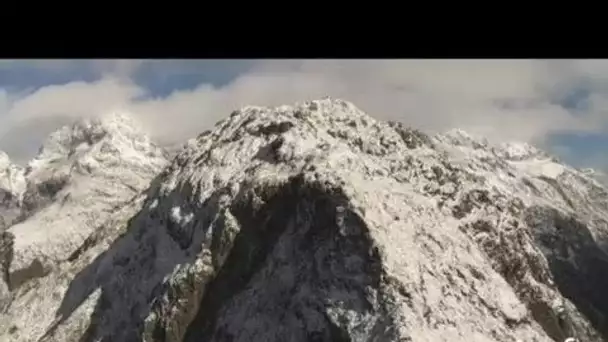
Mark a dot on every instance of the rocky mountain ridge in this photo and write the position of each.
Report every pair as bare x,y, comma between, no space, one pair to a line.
311,222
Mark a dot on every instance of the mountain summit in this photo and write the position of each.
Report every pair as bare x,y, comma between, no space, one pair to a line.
311,222
81,175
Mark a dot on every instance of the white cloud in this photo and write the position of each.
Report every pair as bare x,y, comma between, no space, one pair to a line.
501,99
119,68
4,101
76,99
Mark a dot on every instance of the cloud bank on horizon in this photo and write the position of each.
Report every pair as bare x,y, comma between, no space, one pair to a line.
559,105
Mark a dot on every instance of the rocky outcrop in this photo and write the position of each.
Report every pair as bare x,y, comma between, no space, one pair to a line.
316,222
12,186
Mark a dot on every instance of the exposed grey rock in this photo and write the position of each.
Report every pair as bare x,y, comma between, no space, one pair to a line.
315,222
6,257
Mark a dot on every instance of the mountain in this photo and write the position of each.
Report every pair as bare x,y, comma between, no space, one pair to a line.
81,176
599,176
311,222
12,186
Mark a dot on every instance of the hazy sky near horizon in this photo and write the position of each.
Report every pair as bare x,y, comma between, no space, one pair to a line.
558,105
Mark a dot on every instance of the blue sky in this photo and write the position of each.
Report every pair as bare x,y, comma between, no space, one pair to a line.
160,78
555,104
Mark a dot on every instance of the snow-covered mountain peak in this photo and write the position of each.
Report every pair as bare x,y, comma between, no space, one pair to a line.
11,175
313,222
326,110
111,134
459,137
598,175
12,187
93,148
411,191
120,121
518,151
82,172
303,125
595,173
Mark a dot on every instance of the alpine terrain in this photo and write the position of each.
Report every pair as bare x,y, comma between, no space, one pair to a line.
312,222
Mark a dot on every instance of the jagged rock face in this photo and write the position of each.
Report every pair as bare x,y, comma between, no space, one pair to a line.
12,186
315,222
95,149
598,176
82,175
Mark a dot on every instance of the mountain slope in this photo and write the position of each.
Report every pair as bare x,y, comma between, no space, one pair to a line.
315,222
81,176
12,186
